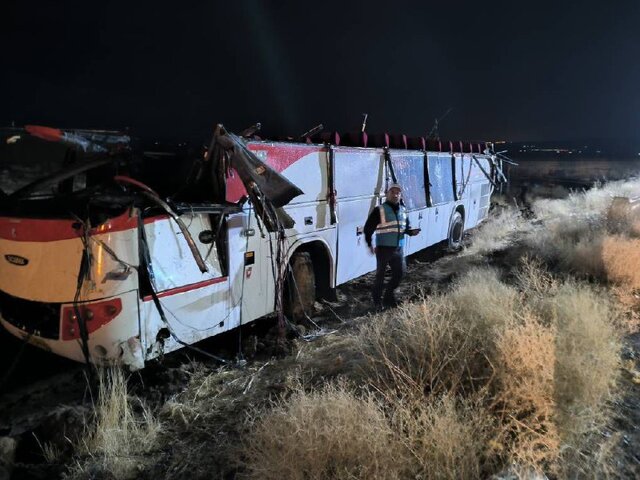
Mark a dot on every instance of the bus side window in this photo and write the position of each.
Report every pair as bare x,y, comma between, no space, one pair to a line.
409,170
441,178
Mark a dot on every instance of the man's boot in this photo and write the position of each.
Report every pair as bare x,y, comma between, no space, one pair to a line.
377,304
390,300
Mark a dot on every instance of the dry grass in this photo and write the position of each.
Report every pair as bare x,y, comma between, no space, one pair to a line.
327,434
497,232
589,234
585,205
334,434
524,394
574,248
587,357
442,343
534,280
122,434
621,258
586,329
545,361
443,438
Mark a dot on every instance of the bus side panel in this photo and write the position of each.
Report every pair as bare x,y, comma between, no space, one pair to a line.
195,303
191,316
172,260
250,268
418,219
484,201
442,194
471,219
409,170
481,190
359,180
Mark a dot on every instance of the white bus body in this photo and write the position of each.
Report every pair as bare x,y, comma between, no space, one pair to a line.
40,258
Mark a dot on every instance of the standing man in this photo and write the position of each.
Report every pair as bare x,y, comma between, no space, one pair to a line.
390,223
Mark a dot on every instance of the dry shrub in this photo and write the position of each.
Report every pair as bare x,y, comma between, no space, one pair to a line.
120,438
524,394
629,314
481,299
585,257
573,234
593,254
575,248
421,345
497,232
441,343
586,205
444,438
621,258
623,217
587,356
533,279
544,360
327,434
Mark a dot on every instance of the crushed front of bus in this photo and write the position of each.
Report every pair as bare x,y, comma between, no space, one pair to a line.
68,249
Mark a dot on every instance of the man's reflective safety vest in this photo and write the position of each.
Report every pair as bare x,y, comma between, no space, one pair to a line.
390,230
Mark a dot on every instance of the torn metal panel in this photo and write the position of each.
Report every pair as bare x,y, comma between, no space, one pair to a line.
275,187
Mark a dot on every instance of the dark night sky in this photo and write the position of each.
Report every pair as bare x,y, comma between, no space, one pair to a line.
515,70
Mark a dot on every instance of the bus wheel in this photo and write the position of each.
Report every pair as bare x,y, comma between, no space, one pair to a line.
456,232
301,287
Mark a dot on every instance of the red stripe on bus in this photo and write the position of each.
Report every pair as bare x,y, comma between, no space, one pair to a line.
46,133
186,288
49,230
279,157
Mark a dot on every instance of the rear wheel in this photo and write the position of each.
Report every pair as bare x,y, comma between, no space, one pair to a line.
456,231
301,287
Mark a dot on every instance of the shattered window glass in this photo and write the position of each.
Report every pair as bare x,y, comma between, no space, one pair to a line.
440,178
409,170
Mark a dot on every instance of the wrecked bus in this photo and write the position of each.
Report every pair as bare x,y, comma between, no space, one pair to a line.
119,255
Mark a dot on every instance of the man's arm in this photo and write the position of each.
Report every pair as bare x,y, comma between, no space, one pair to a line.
372,223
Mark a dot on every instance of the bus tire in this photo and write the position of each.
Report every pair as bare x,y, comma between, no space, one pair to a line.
301,287
456,232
